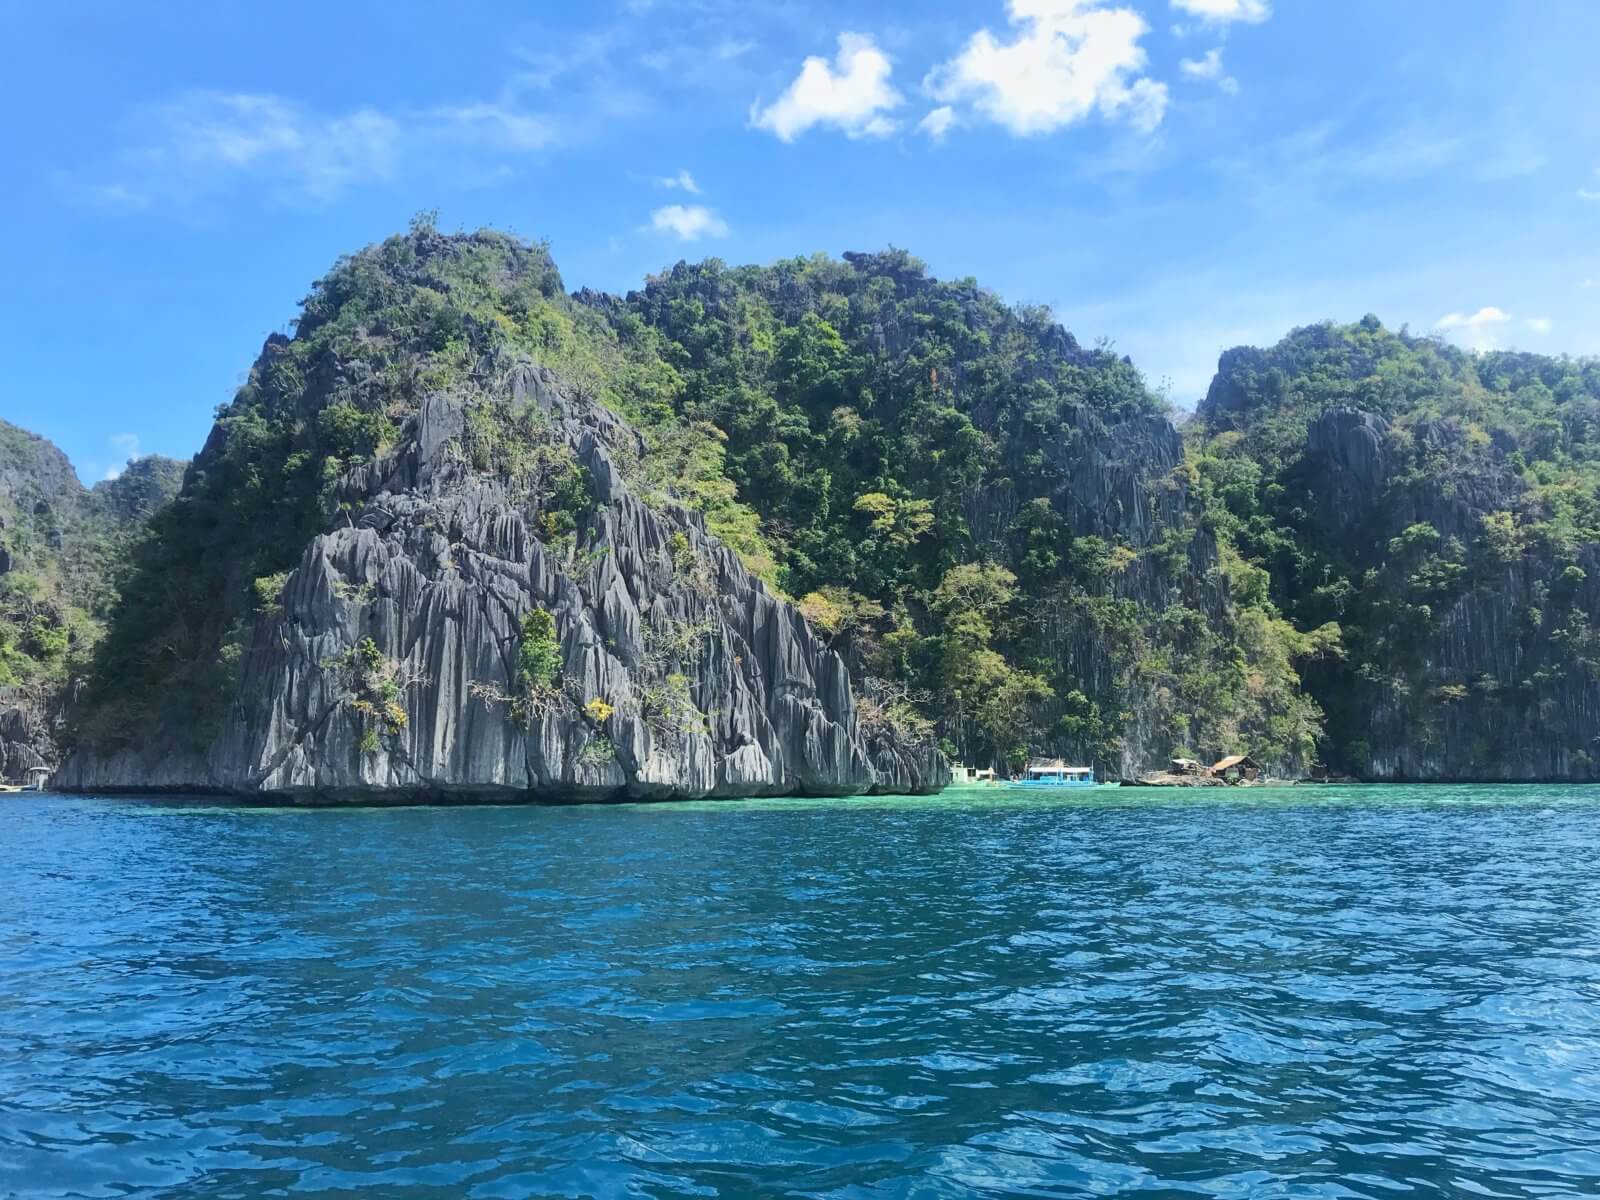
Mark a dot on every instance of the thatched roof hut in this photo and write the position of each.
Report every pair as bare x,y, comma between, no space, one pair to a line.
1236,767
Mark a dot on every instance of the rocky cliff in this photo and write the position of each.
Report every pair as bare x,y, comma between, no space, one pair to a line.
1477,655
992,533
467,535
998,519
402,655
1442,510
60,547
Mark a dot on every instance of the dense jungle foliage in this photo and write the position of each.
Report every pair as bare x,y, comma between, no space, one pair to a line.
1479,529
61,548
930,467
994,524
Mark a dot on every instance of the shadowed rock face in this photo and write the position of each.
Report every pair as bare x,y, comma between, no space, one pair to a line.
1502,684
64,540
438,565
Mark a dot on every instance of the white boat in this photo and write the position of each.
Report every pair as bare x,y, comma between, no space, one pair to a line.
1054,773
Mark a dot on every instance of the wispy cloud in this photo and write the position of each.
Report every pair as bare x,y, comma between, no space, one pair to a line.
938,122
1480,330
118,196
1209,68
557,63
215,134
853,94
1585,193
1225,12
200,143
1416,150
1065,60
1511,161
125,447
682,179
501,125
620,67
1540,325
688,222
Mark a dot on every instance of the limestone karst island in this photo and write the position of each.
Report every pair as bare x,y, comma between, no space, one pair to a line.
824,527
800,600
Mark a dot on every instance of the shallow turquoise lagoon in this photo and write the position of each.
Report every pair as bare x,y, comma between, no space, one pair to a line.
1338,992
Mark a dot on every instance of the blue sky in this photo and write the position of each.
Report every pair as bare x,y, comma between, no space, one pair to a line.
1176,176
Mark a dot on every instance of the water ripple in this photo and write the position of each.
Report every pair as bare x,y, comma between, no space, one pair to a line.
1338,992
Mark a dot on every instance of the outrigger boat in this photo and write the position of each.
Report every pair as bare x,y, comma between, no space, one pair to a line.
1054,773
40,774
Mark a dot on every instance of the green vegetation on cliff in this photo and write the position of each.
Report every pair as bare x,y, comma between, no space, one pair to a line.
991,519
419,313
1452,535
61,550
995,525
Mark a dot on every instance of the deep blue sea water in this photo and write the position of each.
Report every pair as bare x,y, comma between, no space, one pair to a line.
1381,992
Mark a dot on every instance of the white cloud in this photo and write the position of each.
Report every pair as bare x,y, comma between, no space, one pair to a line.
853,95
1588,194
1475,331
1327,148
246,134
1069,58
117,195
1540,325
682,180
126,447
497,126
1209,68
199,143
1589,284
1224,12
938,122
688,222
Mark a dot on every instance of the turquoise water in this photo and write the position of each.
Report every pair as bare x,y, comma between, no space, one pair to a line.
1379,992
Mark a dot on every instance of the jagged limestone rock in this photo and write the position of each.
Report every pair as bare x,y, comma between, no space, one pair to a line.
438,564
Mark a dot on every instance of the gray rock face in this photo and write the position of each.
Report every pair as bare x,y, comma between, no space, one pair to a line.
683,676
1351,446
22,735
1503,681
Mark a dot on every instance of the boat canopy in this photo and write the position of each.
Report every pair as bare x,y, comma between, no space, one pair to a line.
1056,769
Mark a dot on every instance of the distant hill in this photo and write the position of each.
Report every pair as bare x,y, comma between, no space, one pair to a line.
62,547
811,526
982,534
1443,508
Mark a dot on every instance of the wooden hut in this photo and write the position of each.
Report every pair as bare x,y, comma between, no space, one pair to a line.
1237,768
1184,766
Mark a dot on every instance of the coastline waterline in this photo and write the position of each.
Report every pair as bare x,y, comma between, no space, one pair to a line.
1340,991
